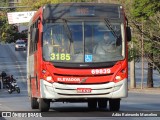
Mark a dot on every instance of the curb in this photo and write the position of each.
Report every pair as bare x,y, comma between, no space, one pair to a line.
145,90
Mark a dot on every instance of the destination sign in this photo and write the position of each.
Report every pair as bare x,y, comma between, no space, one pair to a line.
82,11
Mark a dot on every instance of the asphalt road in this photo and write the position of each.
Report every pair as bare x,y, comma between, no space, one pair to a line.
14,62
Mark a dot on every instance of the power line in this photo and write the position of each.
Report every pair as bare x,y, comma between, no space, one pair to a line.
14,7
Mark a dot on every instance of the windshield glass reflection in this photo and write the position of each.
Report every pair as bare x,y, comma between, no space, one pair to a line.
82,42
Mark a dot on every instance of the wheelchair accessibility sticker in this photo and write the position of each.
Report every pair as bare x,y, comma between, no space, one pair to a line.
88,58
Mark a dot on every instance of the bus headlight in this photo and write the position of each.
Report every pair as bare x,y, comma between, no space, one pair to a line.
49,78
118,78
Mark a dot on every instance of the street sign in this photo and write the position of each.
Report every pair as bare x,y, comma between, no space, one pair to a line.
19,17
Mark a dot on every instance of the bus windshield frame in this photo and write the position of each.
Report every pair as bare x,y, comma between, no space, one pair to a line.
83,41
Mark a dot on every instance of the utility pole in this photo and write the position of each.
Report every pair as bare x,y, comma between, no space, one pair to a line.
132,71
142,50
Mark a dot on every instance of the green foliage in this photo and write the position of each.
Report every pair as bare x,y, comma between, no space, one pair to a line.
38,3
133,54
3,3
147,13
6,30
145,8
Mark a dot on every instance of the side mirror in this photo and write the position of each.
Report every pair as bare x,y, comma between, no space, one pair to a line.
35,35
128,32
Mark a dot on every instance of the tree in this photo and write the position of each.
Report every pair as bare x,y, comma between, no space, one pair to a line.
38,3
3,20
145,9
8,33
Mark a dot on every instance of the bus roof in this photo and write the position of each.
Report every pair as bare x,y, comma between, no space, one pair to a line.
66,10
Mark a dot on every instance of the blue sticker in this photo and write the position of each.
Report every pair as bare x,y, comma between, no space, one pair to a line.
88,58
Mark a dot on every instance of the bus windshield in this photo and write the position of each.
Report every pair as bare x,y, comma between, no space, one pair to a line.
82,41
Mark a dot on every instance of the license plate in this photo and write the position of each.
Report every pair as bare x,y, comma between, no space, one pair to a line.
84,90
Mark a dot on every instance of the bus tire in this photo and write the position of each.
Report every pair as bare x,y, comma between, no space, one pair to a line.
102,103
44,105
92,104
114,104
34,103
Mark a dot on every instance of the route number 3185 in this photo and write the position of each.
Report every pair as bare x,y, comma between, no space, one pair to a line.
60,56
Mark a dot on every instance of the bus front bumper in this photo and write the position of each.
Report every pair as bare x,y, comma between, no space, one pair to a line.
67,91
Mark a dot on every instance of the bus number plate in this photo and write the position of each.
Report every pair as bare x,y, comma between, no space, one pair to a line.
84,90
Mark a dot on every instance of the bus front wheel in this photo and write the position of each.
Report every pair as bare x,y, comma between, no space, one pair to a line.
44,105
34,103
114,104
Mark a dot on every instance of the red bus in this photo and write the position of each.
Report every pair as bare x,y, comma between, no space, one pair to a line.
77,52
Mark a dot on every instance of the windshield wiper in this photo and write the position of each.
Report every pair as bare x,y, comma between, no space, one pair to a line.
110,28
68,31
